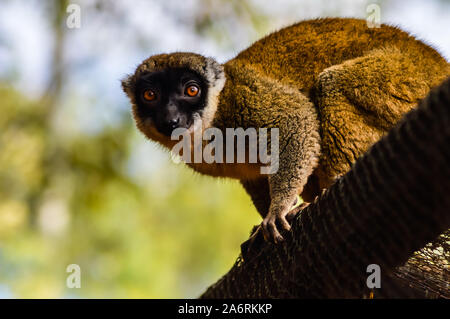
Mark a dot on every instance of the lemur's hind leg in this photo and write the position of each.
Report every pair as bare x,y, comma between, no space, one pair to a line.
355,110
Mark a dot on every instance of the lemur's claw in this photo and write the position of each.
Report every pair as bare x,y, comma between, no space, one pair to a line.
293,212
283,220
270,230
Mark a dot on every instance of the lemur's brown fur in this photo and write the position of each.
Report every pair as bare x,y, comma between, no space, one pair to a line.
332,86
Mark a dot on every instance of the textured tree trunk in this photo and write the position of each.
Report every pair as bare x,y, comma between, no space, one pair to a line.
384,211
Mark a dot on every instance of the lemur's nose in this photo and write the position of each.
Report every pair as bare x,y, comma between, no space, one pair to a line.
174,123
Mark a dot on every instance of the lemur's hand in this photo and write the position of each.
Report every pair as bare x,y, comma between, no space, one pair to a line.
280,217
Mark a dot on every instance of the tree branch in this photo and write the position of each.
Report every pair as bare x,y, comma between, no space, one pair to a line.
391,204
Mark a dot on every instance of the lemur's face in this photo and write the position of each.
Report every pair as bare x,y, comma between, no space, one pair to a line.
169,99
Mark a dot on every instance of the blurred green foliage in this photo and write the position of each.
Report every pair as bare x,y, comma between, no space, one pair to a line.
71,201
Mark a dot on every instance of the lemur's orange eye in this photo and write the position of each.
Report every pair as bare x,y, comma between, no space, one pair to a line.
149,95
192,90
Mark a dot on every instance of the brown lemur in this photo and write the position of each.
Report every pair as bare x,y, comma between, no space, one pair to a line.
331,86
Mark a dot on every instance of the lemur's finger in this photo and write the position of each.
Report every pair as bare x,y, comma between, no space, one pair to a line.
284,223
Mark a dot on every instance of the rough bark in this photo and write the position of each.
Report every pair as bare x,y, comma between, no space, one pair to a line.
384,211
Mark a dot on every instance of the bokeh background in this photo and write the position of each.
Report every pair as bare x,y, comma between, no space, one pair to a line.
79,184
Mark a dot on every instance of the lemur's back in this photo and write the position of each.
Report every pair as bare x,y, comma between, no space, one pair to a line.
321,43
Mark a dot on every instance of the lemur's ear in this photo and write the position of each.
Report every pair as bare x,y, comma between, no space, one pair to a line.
128,84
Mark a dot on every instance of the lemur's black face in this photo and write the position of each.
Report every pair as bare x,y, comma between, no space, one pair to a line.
171,98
